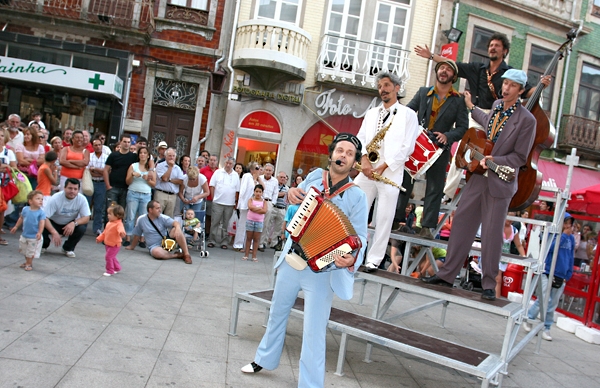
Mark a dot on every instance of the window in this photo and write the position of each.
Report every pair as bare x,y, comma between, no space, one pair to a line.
538,63
390,34
284,10
588,98
596,8
195,4
479,45
343,32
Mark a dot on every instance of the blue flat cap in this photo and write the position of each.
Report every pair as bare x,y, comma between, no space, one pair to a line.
518,76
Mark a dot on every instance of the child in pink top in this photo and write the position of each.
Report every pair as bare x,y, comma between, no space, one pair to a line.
113,234
257,207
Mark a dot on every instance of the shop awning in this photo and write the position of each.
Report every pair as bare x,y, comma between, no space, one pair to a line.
555,175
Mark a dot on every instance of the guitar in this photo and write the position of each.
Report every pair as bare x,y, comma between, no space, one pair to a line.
473,147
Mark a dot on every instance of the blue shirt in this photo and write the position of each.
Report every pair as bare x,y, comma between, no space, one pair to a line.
31,221
564,259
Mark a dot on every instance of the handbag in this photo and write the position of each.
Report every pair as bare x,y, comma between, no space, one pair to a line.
9,189
22,183
87,184
168,244
32,169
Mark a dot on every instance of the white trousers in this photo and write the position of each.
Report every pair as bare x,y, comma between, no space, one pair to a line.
387,197
240,230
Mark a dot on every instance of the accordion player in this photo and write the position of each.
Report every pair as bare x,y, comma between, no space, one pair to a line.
319,230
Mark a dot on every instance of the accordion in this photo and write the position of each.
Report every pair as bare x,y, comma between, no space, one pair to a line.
320,229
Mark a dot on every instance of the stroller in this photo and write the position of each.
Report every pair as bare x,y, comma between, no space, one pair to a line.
472,278
189,231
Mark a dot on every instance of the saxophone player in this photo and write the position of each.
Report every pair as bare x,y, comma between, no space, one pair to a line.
390,131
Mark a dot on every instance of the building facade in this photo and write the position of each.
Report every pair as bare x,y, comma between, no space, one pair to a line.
125,66
304,70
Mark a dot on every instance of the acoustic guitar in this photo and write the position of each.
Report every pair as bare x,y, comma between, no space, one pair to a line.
473,147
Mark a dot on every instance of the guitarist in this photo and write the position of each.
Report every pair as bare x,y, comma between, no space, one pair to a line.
485,199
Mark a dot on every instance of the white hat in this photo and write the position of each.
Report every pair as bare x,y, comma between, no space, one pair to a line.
163,144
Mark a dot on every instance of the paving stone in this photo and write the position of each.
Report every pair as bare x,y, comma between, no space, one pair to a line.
78,377
19,373
44,348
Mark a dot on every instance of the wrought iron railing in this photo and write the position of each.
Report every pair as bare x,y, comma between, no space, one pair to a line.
357,63
137,14
580,132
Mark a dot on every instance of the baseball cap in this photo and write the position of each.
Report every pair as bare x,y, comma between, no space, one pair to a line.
518,76
163,144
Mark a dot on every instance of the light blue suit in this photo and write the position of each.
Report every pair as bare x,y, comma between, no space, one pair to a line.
318,295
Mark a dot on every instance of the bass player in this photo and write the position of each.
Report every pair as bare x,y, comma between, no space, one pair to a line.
390,131
485,200
318,287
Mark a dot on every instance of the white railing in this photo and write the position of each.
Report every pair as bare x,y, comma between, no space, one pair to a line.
272,40
357,63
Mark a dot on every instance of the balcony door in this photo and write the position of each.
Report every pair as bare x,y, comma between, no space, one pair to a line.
389,35
342,34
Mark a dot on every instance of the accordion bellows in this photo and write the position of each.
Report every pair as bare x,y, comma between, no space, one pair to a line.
322,230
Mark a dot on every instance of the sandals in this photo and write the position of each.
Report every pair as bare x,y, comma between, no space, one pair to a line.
254,259
210,245
245,258
3,241
23,265
223,246
28,268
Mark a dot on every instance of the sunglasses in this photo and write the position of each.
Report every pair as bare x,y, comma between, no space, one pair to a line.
42,137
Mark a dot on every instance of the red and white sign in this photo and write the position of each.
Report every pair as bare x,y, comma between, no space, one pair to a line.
261,121
450,51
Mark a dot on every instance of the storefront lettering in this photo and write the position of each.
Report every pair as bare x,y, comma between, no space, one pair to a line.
29,69
327,106
267,95
229,138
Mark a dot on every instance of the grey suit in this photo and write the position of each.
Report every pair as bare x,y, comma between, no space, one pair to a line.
451,112
485,200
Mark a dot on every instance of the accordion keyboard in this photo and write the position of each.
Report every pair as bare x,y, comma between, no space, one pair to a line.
307,207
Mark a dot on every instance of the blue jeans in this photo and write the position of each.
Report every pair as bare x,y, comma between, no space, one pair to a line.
555,295
136,206
99,201
117,195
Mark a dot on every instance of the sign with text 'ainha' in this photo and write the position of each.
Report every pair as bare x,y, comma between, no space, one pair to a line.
54,75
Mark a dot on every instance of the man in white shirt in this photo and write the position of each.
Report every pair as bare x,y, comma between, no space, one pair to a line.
67,214
37,118
224,189
14,131
270,195
168,178
98,199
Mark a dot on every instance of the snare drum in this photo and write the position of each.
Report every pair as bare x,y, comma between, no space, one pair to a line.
424,155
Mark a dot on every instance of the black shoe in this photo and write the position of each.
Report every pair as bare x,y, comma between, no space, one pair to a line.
252,368
489,294
261,248
142,244
436,280
126,243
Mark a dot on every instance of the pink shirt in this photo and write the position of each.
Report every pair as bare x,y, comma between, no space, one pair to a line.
255,216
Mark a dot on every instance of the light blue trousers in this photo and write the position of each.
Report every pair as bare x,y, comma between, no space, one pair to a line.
555,294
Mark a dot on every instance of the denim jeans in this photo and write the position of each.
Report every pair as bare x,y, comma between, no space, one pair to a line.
555,295
136,206
99,201
116,195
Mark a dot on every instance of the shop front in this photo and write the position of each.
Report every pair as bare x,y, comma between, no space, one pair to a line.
293,138
70,89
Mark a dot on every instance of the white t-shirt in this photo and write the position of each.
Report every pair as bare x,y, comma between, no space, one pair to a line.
226,185
6,156
190,192
62,210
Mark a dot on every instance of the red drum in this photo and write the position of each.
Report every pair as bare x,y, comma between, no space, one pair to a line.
424,155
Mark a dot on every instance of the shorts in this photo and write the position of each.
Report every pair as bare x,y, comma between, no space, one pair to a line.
254,226
442,259
30,247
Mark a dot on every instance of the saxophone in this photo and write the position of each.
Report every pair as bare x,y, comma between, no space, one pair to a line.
373,155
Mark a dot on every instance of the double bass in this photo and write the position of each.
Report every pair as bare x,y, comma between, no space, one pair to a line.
530,179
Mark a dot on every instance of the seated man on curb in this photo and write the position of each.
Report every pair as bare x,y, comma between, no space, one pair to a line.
67,214
166,227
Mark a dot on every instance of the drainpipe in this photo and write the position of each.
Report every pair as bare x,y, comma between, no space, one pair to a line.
126,94
564,83
434,39
232,44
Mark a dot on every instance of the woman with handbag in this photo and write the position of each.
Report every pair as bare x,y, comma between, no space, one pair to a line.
73,159
30,155
7,160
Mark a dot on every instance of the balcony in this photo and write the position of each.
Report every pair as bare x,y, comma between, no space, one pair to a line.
356,63
124,16
581,133
272,52
557,11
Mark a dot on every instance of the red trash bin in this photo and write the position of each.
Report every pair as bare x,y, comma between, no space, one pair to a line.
512,280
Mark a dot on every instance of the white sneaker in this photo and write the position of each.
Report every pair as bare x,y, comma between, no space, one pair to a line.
106,274
43,250
68,253
546,335
527,326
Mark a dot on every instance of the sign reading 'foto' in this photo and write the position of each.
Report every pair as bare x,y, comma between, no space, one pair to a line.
68,77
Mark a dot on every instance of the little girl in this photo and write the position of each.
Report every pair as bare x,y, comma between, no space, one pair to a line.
190,223
33,220
257,208
47,175
112,236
